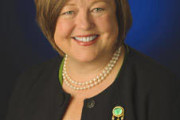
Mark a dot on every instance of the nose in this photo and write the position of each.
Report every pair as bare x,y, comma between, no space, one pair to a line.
84,21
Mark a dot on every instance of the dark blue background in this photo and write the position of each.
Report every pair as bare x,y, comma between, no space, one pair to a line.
155,32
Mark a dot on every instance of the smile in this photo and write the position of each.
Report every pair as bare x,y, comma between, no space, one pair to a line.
86,39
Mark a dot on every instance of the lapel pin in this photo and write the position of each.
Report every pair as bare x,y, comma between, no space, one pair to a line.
118,112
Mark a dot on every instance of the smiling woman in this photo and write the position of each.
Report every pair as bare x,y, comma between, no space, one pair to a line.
97,76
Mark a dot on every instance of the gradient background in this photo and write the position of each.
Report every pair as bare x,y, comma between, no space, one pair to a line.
155,32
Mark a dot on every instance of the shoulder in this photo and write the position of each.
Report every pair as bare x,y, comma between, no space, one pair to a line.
158,85
31,86
42,68
146,66
149,75
30,82
32,75
33,83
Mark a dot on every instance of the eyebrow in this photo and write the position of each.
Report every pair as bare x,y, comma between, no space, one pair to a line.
99,1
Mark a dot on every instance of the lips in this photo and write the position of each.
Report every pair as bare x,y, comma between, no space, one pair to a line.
86,40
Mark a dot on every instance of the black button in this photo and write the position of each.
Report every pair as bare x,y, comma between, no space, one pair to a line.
90,104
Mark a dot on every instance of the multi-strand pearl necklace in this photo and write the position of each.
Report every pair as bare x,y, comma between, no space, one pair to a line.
95,81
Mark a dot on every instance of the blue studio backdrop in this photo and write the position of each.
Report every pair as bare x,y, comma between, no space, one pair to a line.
155,32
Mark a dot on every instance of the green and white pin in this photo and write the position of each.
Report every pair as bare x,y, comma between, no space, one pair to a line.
118,112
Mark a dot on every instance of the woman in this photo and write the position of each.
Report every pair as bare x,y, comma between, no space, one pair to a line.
97,77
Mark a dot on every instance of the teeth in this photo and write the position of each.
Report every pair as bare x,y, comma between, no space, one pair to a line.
86,39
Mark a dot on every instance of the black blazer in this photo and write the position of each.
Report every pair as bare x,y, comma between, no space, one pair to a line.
145,89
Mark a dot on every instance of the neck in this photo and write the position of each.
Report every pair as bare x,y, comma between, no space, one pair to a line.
84,71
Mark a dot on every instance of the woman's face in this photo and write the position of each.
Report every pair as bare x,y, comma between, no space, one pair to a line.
87,29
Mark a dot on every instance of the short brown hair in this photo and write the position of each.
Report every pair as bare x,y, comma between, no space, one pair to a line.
47,12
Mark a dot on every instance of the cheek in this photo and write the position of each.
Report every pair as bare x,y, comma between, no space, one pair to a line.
107,23
63,30
62,34
108,26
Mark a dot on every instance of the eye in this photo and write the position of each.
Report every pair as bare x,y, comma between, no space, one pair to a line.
97,10
68,13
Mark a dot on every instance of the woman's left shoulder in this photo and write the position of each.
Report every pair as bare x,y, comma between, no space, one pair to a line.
147,67
157,83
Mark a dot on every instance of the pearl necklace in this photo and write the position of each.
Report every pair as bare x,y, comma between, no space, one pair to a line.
95,81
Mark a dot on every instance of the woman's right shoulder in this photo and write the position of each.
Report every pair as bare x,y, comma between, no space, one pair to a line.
29,77
41,68
29,82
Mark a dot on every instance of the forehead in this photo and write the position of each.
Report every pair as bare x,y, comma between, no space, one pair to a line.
88,1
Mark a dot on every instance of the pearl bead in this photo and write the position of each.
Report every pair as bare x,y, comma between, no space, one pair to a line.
86,83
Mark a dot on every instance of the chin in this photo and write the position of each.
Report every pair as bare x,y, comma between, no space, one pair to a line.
85,58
